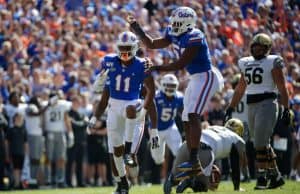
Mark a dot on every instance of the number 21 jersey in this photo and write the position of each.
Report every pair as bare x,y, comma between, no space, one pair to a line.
258,73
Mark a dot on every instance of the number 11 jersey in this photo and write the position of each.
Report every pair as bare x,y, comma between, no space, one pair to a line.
125,81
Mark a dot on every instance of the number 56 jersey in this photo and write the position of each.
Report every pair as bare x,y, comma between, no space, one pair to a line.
125,81
258,73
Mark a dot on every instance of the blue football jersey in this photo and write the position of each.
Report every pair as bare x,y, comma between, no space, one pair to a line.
167,109
195,37
125,82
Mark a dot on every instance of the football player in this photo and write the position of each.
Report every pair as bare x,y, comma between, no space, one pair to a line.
125,75
168,103
216,142
56,123
262,78
190,46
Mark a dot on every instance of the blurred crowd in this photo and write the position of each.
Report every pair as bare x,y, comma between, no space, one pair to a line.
57,45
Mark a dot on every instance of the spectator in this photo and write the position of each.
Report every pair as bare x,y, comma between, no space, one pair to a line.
76,153
18,147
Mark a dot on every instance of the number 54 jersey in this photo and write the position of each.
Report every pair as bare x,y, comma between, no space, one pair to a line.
258,73
125,81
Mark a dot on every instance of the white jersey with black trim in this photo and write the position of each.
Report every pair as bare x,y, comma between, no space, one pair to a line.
220,139
258,74
54,116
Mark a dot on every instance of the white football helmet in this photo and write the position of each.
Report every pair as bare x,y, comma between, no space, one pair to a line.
182,19
169,84
127,45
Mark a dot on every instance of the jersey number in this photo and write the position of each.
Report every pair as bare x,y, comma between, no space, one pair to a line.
166,114
240,107
55,116
126,83
254,76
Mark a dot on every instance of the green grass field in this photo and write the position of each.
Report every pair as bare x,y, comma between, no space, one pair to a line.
224,188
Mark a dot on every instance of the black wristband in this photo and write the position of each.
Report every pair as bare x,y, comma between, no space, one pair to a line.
137,29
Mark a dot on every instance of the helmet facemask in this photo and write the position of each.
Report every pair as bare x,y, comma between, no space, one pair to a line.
127,46
169,85
260,46
182,20
170,89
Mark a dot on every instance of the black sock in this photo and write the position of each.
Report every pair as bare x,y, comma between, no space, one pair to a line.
127,147
194,154
124,181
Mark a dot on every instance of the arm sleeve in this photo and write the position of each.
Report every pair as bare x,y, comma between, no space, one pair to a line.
235,167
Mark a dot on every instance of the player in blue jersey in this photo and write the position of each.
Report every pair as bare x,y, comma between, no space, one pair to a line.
168,103
125,74
191,48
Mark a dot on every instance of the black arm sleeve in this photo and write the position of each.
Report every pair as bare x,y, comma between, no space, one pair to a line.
235,167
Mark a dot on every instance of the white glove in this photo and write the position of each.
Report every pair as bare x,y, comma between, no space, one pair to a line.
53,100
100,81
142,115
70,139
92,122
154,138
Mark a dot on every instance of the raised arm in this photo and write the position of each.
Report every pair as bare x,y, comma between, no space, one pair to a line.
187,56
145,38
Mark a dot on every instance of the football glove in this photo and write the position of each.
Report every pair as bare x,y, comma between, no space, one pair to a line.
154,138
100,81
286,116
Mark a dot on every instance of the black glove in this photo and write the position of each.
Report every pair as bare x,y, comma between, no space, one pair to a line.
228,114
286,116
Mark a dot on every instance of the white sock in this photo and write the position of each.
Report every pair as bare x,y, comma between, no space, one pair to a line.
120,165
129,129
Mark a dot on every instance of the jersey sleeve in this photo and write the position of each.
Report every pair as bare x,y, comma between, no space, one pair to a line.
195,39
278,62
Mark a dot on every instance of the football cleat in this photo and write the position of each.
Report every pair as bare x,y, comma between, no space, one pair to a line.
168,184
276,182
190,166
261,183
184,185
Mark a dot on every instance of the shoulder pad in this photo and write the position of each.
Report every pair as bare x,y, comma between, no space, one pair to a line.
179,94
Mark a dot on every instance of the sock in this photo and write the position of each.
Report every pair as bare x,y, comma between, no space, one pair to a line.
117,179
127,147
129,129
124,181
33,171
48,174
60,175
120,165
194,154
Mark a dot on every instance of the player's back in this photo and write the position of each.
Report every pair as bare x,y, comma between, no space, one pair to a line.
125,81
167,109
54,116
222,139
195,37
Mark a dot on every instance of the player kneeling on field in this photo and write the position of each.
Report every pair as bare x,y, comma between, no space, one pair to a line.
216,142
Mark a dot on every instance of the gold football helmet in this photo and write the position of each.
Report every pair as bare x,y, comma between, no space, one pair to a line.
236,125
